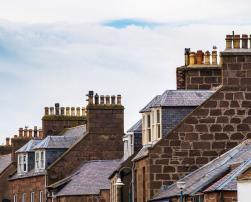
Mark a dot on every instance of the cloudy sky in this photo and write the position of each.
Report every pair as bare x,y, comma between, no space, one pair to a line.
55,51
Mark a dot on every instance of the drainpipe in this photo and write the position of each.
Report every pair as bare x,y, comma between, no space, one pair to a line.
133,166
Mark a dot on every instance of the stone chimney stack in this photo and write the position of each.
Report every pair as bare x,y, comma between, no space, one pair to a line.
236,62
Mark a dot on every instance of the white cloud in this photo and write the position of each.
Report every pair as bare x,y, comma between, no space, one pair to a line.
46,63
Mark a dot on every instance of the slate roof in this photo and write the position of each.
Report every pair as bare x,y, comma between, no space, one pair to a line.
229,181
142,153
137,127
28,147
64,141
200,179
31,173
171,98
90,178
5,161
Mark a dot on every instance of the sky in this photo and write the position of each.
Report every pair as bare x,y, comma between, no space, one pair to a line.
56,51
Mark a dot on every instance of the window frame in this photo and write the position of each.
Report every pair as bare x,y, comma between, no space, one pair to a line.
40,158
32,196
14,198
41,196
23,197
22,163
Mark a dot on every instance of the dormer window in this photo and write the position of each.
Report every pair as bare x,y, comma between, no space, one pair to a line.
151,126
39,160
22,163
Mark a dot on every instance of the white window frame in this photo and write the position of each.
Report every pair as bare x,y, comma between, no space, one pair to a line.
23,197
22,163
41,196
14,198
40,160
32,197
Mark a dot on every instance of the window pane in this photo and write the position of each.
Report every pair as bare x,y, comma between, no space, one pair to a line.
158,116
40,196
148,121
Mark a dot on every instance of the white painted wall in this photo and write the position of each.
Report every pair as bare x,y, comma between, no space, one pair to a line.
244,191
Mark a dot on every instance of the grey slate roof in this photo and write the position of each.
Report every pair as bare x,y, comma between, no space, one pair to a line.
201,178
31,173
229,181
171,98
137,127
90,178
5,161
64,141
142,153
28,147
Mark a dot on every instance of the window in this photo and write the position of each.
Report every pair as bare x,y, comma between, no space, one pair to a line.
22,163
23,197
32,196
149,134
158,131
15,198
39,160
41,196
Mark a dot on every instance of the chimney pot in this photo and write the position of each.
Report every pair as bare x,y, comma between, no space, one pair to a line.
46,111
51,110
207,58
187,52
107,99
229,41
102,99
62,111
30,133
199,57
192,58
67,111
90,97
40,133
96,99
237,41
118,99
78,111
35,131
25,132
72,111
244,41
21,131
57,109
113,98
214,57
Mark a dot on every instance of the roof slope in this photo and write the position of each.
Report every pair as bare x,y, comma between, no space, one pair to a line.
207,174
171,98
90,178
65,140
28,147
5,161
137,127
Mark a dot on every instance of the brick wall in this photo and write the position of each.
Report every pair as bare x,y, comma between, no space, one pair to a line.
4,185
203,78
171,116
219,124
27,185
105,130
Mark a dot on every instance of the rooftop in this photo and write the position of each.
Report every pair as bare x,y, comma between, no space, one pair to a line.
137,127
5,161
90,178
28,147
172,98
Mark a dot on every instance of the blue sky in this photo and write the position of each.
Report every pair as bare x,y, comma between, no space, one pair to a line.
55,51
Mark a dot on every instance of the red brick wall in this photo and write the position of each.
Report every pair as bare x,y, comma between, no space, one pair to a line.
4,184
202,78
219,124
105,126
27,185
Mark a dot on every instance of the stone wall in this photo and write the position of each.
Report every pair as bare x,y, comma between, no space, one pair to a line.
103,197
105,130
4,185
27,185
219,124
142,185
196,78
228,196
